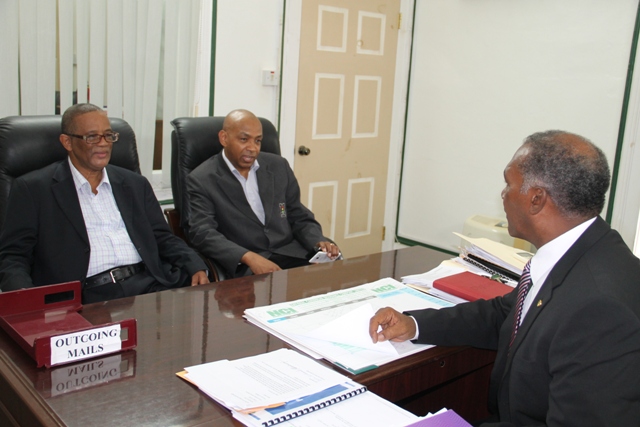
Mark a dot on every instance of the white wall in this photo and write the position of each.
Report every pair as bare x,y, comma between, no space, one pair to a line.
248,40
488,73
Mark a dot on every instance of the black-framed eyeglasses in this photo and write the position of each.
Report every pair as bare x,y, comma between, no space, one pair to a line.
95,138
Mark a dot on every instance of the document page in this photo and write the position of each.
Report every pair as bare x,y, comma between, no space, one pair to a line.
264,380
358,321
446,268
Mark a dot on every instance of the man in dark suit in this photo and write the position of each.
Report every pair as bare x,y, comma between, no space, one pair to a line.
82,219
568,337
245,206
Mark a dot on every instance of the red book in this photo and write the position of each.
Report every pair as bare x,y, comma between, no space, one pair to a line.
470,286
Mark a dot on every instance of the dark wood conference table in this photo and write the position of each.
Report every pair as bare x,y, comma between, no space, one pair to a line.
189,326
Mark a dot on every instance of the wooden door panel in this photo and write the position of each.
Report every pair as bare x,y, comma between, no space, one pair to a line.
345,91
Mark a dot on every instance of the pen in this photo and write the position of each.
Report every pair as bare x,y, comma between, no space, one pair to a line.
497,278
260,408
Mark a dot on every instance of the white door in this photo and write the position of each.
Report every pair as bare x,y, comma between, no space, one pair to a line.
343,116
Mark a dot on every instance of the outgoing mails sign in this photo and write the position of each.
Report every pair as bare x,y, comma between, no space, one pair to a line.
88,343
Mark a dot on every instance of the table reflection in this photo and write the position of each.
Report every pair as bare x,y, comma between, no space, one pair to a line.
234,298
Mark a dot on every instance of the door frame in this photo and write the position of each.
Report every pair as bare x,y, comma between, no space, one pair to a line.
623,208
289,96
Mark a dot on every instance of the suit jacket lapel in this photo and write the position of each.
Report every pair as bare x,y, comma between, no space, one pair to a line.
544,295
64,191
266,185
229,185
123,195
557,275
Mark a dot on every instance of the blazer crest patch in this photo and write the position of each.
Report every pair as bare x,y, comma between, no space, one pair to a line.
283,210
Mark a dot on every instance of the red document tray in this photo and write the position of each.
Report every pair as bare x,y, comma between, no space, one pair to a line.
31,319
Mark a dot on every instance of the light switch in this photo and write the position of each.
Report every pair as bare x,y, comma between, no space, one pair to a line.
269,78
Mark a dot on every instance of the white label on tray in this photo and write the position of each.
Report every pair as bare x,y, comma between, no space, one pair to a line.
84,344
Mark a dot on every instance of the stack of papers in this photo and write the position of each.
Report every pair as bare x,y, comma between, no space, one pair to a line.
336,325
424,281
446,268
428,282
286,388
480,256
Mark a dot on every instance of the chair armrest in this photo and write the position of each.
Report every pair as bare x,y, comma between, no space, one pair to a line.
173,218
216,272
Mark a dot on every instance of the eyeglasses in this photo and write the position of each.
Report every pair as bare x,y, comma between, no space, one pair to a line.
96,137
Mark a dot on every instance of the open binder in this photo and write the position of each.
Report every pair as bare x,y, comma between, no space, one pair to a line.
305,405
494,257
489,267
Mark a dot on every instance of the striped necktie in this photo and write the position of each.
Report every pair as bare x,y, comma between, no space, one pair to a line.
523,289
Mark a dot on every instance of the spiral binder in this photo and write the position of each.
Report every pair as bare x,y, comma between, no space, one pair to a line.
308,409
489,267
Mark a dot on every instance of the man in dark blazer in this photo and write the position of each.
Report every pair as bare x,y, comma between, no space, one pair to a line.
574,358
82,219
245,206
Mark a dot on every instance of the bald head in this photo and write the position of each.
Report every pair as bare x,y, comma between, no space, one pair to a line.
572,170
237,116
241,137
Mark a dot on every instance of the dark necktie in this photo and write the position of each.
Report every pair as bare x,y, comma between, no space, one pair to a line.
523,289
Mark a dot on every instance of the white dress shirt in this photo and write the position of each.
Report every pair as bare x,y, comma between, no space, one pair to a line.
249,186
110,243
546,258
543,262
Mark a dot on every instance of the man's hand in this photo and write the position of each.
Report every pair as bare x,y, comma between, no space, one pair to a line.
200,278
330,248
395,326
259,264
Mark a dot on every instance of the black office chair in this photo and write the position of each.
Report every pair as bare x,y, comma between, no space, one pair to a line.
28,143
194,140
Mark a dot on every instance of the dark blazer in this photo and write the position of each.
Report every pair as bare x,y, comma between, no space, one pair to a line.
576,358
223,226
45,241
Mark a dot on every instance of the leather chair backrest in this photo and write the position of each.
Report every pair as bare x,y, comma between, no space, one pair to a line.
28,143
194,140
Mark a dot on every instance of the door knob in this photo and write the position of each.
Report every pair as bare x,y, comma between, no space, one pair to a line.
304,151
